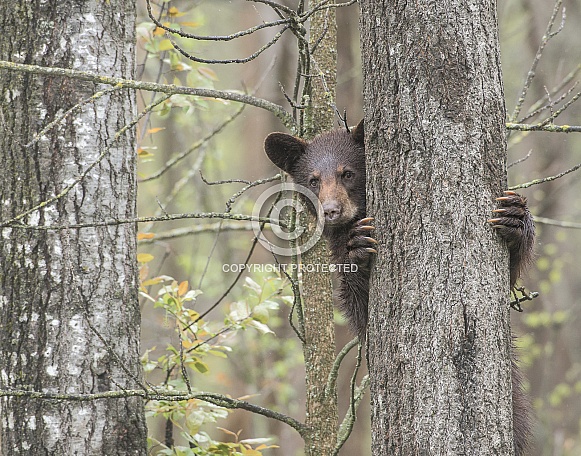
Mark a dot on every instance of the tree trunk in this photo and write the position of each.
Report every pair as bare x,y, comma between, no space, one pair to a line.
69,314
439,338
317,305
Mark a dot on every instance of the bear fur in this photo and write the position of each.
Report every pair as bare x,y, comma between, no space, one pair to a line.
332,165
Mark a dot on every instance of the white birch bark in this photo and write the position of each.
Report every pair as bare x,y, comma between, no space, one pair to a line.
68,298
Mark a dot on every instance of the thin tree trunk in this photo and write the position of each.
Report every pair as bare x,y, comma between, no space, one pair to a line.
439,338
69,314
319,346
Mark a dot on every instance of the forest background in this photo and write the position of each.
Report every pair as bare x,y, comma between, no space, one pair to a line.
222,167
548,335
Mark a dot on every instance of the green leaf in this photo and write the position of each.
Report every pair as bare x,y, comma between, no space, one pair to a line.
201,367
261,327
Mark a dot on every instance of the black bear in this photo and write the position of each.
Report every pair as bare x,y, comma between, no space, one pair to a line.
332,165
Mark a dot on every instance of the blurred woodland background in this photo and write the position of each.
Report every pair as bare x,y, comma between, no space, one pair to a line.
265,362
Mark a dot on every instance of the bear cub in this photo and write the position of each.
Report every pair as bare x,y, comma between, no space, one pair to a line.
332,165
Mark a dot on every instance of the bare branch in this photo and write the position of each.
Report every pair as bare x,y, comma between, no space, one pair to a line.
540,127
559,223
197,229
566,80
238,97
274,5
332,379
174,160
163,218
250,185
161,395
347,424
327,5
546,179
531,74
272,41
554,115
67,113
537,110
213,37
520,160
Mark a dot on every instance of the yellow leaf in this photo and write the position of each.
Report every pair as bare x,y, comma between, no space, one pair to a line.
143,272
141,236
158,31
183,288
144,257
165,45
153,281
174,12
142,153
233,434
155,130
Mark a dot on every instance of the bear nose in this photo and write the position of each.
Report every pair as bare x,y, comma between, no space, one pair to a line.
331,210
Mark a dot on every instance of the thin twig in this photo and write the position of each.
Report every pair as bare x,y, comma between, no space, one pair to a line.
252,56
558,112
559,223
233,36
546,179
182,365
532,71
68,112
566,80
250,185
101,156
197,229
331,387
534,111
520,160
175,160
347,424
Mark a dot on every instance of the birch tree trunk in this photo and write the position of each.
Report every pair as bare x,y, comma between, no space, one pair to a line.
439,338
69,314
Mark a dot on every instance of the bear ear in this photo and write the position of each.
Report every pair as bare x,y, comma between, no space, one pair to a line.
284,150
357,133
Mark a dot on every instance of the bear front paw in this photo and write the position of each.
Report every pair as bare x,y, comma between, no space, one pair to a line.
361,247
514,220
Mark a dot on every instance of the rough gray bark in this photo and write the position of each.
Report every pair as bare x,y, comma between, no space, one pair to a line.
439,337
69,314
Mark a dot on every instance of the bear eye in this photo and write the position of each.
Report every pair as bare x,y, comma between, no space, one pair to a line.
314,182
348,174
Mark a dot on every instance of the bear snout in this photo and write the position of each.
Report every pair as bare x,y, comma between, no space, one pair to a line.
332,211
